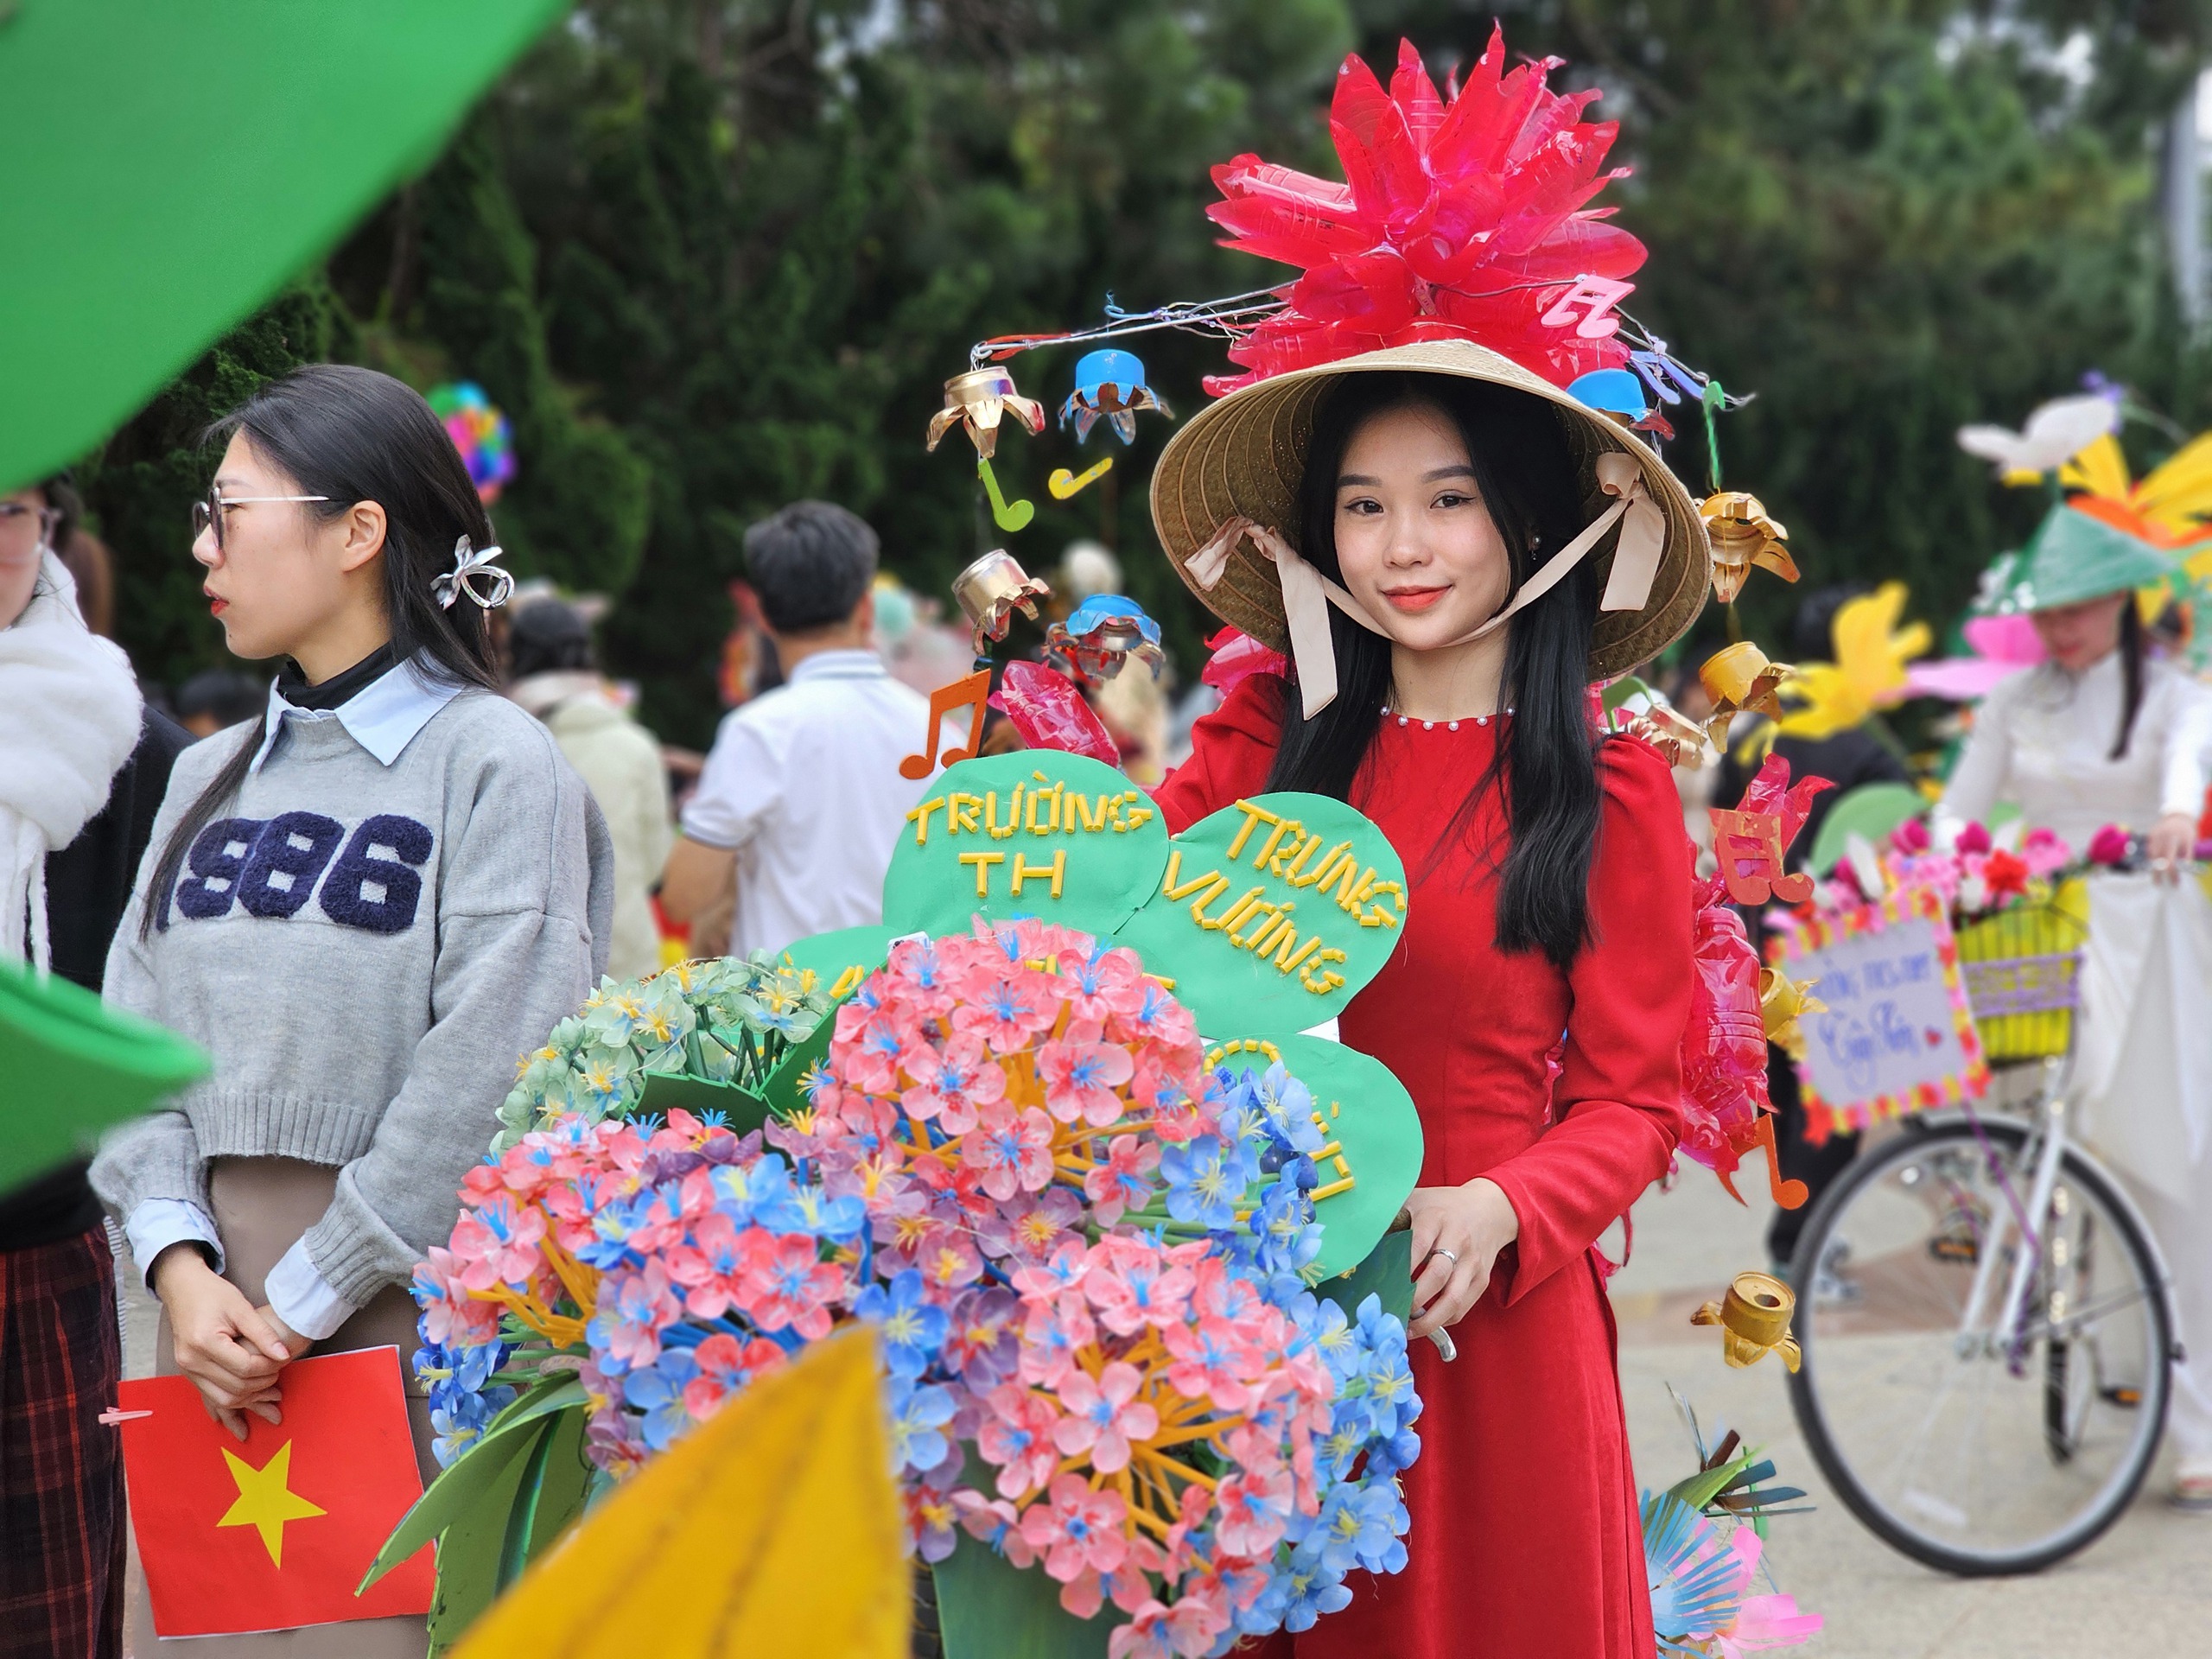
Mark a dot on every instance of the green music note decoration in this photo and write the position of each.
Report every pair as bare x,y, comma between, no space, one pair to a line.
1007,515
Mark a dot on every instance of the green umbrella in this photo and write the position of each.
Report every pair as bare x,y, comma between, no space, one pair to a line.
75,1066
168,167
2071,557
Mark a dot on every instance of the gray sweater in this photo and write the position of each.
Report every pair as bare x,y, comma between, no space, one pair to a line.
364,950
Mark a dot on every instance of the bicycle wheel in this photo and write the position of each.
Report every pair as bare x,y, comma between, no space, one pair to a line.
1968,1454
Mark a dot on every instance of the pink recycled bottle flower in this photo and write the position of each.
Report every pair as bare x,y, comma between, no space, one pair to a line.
1460,220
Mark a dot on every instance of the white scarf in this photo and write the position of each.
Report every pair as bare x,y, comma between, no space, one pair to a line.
69,714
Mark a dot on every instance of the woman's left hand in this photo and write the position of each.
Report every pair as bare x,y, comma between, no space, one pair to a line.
1458,1232
2172,840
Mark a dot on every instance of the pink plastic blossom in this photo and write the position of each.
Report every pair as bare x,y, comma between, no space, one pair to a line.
786,1283
1254,1509
1077,1528
1104,1415
1080,1077
952,1084
1013,1156
1124,1181
1018,1437
1006,1012
726,1365
497,1243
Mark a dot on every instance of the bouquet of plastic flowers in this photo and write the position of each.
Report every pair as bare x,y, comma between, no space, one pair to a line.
1085,1256
729,1020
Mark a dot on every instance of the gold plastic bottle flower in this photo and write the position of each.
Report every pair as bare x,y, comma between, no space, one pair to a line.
976,400
1742,536
1754,1320
990,591
1738,679
1783,1002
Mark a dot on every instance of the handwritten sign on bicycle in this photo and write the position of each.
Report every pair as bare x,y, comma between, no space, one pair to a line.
1897,1035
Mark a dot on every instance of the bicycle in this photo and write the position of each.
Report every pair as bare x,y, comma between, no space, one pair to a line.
1984,1384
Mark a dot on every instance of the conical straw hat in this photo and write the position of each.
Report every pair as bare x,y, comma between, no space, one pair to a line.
1246,454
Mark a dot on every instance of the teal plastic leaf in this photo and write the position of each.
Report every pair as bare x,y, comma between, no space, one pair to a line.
1272,914
740,1107
1037,833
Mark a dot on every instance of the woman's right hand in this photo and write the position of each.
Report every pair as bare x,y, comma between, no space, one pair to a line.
222,1343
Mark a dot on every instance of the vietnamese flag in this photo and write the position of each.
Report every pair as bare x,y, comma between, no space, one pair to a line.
275,1531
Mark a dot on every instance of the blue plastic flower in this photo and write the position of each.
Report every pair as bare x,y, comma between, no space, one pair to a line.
1355,1526
657,1391
1200,1189
911,1330
918,1413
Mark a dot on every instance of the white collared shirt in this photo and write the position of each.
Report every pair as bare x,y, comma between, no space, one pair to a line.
804,786
384,717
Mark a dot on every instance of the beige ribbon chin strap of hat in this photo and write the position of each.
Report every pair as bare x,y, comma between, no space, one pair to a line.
1307,594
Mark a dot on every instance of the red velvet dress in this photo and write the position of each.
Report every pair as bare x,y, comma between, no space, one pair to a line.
1525,1542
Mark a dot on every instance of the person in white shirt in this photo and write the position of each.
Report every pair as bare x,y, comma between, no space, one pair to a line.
802,801
2103,732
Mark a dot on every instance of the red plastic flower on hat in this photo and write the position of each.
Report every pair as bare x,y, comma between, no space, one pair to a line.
1459,220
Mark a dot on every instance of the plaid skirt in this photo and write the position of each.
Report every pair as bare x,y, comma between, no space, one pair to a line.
62,1513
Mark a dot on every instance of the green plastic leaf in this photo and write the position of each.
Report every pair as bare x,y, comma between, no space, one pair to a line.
75,1067
1272,914
1387,1273
989,1609
744,1110
1085,847
156,228
471,1546
551,1496
834,957
464,1494
1870,811
785,1092
1701,1489
1374,1151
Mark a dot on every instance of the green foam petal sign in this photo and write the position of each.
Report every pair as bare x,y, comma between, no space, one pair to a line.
1272,914
1061,837
1371,1161
169,167
76,1066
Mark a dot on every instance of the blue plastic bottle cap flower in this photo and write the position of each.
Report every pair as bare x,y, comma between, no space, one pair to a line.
1611,391
1101,634
1111,383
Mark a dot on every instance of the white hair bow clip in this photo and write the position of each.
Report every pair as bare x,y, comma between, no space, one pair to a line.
473,574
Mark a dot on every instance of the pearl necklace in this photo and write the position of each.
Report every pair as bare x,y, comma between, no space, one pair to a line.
1449,725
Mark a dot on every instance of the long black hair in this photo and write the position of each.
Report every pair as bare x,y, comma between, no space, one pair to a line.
1546,759
2131,647
354,435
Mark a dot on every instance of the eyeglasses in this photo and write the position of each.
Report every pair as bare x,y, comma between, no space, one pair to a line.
21,522
211,511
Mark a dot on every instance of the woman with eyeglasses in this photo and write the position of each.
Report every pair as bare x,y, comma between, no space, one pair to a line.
364,905
82,768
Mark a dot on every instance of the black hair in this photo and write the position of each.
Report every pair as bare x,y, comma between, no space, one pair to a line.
2131,646
545,635
68,506
1546,758
811,564
225,693
354,435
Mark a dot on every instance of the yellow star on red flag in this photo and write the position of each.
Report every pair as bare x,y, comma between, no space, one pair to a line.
265,1500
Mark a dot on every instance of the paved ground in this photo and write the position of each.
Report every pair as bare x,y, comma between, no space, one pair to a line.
2142,1591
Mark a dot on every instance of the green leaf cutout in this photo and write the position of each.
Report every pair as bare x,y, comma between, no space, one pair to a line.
744,1110
1374,1132
1387,1272
989,1609
1086,846
1272,914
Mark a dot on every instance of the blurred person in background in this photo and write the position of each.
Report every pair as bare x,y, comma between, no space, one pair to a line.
82,770
801,800
1846,758
218,697
553,676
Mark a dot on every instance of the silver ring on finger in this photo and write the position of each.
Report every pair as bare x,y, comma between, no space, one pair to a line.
1449,1255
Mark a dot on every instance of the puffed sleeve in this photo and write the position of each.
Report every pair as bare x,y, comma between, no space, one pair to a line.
1616,1103
1231,751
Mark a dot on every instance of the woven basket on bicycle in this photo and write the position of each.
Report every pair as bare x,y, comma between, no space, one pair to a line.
2023,969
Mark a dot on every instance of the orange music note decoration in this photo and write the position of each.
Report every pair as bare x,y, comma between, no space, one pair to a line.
968,693
1790,1195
